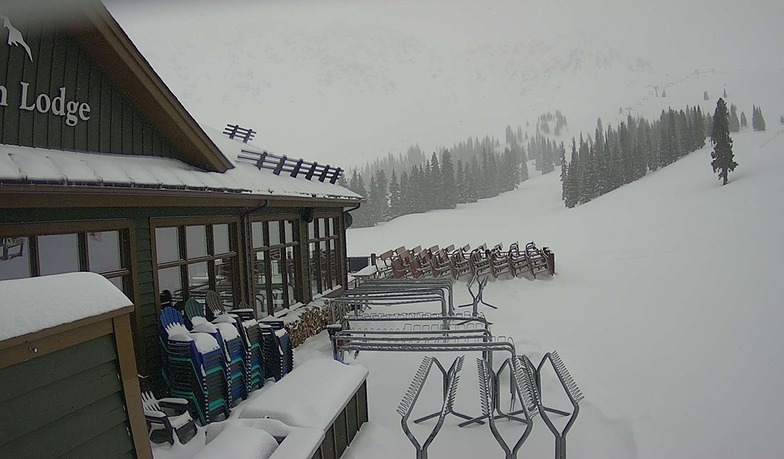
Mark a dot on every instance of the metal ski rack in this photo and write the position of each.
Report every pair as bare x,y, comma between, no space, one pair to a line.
412,395
352,321
572,391
352,301
523,386
477,298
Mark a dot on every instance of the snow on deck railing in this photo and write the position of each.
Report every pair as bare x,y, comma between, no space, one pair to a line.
294,167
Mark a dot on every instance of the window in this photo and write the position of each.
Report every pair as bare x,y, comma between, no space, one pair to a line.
50,252
275,268
324,254
191,259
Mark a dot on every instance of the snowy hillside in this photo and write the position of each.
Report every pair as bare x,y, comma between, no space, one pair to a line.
666,307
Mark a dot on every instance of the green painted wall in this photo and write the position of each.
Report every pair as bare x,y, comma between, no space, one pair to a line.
114,124
65,404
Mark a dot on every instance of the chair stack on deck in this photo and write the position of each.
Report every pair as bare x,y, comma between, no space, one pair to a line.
195,368
225,330
277,349
465,262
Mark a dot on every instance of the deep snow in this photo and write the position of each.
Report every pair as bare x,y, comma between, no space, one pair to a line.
665,307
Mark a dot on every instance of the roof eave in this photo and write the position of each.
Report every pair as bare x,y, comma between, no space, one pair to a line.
119,58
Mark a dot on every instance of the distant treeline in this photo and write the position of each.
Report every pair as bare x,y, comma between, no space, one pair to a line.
470,170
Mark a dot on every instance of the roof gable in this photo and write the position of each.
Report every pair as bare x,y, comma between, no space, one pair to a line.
97,92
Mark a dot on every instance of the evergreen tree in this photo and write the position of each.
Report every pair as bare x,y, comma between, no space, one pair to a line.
572,192
460,184
757,120
664,93
723,158
733,121
725,93
705,96
473,179
523,165
743,122
394,197
405,206
449,181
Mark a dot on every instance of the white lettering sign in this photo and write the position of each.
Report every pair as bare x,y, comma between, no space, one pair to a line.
58,105
3,96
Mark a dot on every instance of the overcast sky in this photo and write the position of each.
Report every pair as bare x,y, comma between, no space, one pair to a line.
353,79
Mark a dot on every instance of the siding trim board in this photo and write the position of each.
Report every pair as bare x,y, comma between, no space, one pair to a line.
23,348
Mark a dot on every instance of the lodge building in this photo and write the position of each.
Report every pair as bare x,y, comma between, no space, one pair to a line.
102,169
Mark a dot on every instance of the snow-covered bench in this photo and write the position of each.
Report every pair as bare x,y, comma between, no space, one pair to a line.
260,438
320,394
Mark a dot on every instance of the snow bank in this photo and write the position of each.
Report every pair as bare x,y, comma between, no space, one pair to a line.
294,401
38,303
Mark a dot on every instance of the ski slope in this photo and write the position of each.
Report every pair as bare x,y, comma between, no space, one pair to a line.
665,307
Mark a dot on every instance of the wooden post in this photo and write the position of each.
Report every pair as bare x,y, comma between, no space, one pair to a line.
130,382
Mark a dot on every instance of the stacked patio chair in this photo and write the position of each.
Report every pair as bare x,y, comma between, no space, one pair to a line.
277,349
227,332
194,368
236,356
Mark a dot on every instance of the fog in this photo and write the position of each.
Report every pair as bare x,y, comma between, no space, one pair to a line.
347,81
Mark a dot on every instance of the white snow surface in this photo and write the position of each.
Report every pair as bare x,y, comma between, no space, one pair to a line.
38,303
665,308
296,403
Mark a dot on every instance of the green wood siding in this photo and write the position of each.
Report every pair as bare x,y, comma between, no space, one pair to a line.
115,125
69,402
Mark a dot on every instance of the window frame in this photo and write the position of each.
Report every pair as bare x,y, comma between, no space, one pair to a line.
183,262
330,278
287,284
82,229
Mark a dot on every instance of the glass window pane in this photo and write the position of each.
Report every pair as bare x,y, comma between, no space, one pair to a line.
118,282
104,253
170,285
278,280
260,283
167,245
198,280
288,227
274,233
257,231
311,230
322,222
14,258
315,278
196,241
58,253
291,278
220,235
224,280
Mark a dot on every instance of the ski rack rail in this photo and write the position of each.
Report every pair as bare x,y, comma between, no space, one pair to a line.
406,407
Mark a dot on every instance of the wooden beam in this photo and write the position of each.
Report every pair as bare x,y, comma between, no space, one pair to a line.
130,382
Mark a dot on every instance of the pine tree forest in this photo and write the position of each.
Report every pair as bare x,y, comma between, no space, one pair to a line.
474,169
617,156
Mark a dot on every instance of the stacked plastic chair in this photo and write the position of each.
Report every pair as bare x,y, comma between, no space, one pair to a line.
277,348
254,360
236,356
194,368
225,330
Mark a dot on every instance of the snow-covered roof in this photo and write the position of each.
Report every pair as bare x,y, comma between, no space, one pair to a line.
37,303
56,167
